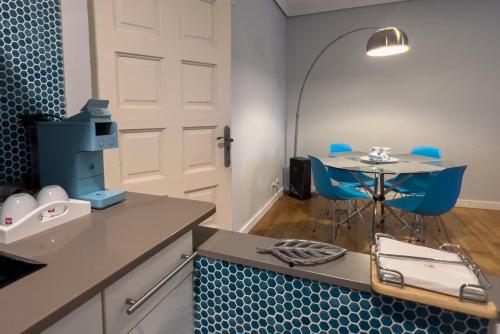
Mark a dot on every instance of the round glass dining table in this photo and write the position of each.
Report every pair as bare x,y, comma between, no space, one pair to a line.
406,166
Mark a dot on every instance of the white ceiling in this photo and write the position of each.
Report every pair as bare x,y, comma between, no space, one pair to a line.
301,7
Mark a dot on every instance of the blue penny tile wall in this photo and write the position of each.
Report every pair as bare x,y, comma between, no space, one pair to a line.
31,75
233,298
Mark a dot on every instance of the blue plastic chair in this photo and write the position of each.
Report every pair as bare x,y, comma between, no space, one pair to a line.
334,193
339,148
440,197
427,151
344,177
417,183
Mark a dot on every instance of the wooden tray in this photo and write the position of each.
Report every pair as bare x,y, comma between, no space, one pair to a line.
488,310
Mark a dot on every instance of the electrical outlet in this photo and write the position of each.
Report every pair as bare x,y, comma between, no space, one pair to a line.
275,185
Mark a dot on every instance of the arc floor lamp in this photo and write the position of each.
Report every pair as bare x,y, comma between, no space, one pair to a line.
387,41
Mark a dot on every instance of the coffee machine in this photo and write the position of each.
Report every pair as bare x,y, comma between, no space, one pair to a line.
71,154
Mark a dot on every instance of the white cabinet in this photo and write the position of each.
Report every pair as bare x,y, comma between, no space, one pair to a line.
84,320
140,281
169,310
174,314
494,327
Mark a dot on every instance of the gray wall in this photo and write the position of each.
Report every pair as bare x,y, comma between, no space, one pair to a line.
258,104
445,92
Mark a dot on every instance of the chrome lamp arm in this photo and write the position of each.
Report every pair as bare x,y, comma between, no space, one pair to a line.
297,115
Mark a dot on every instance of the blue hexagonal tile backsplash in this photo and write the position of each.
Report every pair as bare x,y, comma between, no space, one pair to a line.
31,75
233,298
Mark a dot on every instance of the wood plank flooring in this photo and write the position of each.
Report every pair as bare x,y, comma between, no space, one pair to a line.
477,230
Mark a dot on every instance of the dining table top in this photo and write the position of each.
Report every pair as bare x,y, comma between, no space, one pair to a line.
406,164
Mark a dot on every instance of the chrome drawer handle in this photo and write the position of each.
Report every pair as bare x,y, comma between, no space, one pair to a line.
135,304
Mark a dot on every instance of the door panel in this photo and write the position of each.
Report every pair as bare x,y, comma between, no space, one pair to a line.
142,16
165,67
198,86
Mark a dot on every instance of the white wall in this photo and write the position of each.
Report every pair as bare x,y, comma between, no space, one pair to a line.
258,105
444,93
75,29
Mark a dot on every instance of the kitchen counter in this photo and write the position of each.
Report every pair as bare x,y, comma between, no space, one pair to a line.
350,271
86,255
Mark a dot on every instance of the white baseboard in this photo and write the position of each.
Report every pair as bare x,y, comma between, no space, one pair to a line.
258,216
470,203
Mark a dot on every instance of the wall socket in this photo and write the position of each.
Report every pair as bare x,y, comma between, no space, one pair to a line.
275,185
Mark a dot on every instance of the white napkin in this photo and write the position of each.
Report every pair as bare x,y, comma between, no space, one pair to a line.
445,278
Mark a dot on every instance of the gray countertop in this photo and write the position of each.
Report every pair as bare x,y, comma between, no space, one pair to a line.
86,255
351,270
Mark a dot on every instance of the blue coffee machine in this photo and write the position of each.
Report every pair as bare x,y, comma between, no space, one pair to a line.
70,154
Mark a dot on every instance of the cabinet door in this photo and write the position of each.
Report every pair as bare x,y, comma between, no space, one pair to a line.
174,315
84,320
140,280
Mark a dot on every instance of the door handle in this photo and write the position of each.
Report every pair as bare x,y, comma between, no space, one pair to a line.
227,145
226,139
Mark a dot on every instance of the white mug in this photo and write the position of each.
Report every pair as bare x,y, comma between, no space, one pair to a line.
16,207
375,153
50,194
386,153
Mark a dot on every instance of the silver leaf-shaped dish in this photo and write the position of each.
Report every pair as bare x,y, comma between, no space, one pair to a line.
303,252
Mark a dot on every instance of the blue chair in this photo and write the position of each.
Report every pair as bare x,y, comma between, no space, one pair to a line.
417,183
440,197
339,148
427,151
335,193
344,177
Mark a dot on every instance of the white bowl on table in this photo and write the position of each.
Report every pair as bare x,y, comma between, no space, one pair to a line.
16,207
50,194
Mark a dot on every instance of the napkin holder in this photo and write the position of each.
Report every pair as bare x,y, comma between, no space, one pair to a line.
475,293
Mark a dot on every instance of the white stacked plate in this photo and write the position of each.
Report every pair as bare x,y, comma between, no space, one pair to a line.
367,159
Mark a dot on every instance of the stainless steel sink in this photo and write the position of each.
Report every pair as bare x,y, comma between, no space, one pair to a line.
14,267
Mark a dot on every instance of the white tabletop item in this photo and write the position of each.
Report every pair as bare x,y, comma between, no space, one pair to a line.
430,274
379,155
52,194
22,216
16,207
388,160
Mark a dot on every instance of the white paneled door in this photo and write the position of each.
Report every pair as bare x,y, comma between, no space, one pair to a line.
165,67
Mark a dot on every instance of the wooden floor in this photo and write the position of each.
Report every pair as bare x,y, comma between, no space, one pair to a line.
475,229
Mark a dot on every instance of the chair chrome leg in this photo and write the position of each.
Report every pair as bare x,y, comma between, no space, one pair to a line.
418,229
374,219
334,220
399,218
356,209
349,210
413,227
422,236
337,225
